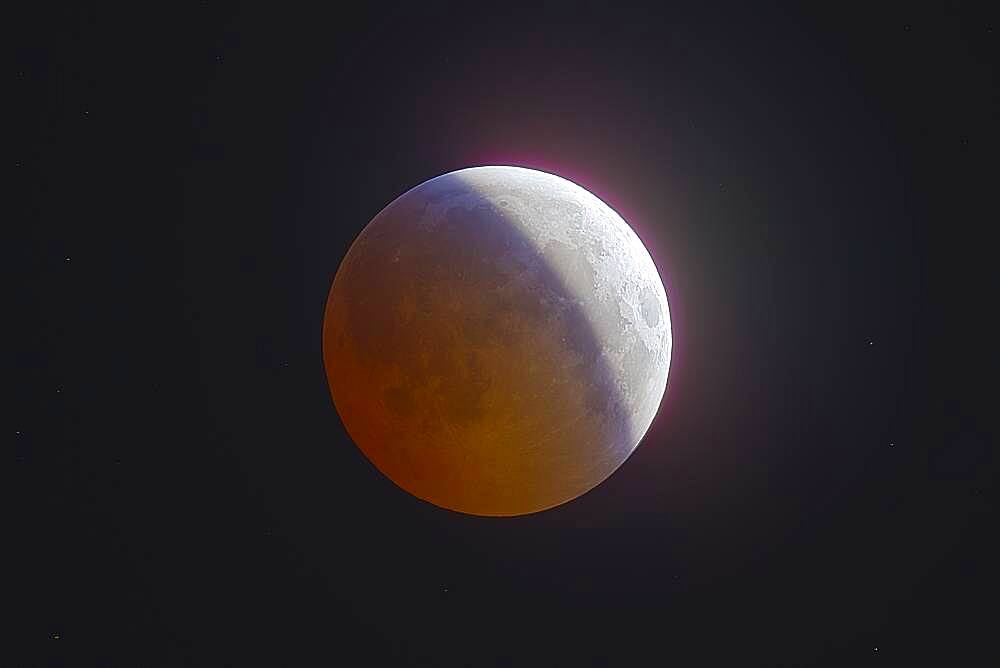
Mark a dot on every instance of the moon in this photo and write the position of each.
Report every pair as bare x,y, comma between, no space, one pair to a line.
497,341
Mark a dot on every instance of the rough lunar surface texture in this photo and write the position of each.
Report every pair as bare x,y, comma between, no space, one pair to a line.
497,341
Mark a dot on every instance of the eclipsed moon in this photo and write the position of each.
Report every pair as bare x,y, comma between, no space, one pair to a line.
497,341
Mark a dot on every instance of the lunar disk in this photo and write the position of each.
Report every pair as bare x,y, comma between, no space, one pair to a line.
497,341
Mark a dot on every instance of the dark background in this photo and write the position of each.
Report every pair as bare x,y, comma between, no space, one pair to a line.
817,190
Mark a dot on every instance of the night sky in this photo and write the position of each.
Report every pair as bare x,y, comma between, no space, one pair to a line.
816,189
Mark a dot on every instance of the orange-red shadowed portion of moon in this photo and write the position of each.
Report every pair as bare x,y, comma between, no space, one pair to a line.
497,341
